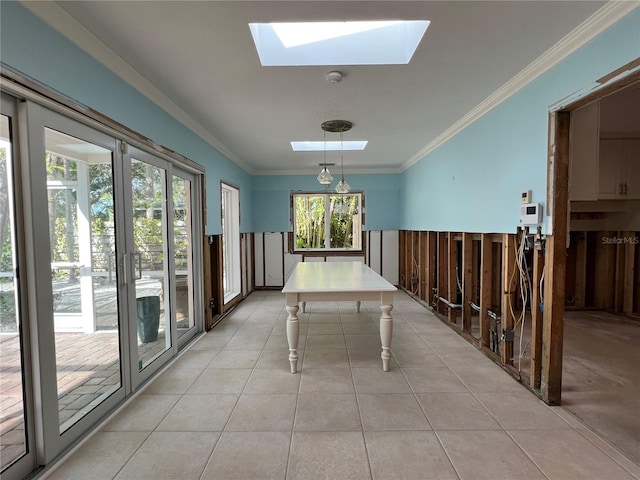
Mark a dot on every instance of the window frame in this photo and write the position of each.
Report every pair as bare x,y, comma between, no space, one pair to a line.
329,251
230,222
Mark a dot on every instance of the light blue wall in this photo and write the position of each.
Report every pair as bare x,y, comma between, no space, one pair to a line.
270,202
473,182
31,47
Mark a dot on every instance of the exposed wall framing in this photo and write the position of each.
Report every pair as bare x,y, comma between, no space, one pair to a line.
471,282
602,272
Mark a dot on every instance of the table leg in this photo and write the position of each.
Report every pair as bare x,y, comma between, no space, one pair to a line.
386,331
293,335
358,306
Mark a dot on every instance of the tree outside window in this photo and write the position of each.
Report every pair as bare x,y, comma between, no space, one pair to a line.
327,221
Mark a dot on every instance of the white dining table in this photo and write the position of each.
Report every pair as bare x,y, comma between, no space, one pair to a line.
337,281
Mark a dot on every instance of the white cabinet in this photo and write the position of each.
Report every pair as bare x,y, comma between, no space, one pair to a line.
585,135
619,169
631,151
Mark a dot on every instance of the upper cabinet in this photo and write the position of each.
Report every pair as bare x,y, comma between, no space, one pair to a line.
585,136
605,148
619,169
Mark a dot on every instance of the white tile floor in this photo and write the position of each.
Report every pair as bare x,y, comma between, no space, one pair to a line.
228,408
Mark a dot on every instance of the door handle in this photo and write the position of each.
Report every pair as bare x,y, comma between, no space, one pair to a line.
137,274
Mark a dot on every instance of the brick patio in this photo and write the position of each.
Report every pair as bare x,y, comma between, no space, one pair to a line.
88,369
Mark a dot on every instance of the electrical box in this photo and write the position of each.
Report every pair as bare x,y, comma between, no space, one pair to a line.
530,214
525,196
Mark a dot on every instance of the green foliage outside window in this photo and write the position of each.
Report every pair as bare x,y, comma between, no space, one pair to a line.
313,212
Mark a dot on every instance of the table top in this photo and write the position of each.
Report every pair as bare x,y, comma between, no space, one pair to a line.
335,277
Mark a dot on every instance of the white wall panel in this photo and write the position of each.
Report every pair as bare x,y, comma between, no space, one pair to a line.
259,259
273,260
290,261
373,250
390,255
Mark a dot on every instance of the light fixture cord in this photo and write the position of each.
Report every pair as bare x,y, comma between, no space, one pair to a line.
324,135
341,157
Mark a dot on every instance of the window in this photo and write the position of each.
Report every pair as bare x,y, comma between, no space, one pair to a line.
230,202
313,212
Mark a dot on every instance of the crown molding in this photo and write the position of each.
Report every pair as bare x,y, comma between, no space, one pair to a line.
606,16
305,172
57,18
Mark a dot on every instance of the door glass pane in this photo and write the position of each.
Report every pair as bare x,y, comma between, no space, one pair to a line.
83,274
149,196
182,254
12,428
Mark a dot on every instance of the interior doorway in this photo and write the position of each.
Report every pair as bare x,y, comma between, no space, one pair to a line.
600,380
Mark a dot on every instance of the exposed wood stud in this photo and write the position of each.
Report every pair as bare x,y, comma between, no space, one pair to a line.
636,288
422,283
581,270
486,268
619,275
604,271
430,274
555,261
452,292
536,321
467,283
402,261
508,297
629,271
442,261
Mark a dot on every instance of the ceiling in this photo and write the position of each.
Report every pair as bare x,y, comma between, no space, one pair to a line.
200,55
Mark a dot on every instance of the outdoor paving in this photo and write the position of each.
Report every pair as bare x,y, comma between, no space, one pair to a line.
88,369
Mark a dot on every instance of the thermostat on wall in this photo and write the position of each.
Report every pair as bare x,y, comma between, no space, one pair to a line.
530,214
525,196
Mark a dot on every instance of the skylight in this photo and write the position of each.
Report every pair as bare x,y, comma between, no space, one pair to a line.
390,42
309,146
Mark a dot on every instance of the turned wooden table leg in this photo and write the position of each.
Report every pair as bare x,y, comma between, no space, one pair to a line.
293,330
386,331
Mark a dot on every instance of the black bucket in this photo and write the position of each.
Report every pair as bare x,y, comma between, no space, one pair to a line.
148,313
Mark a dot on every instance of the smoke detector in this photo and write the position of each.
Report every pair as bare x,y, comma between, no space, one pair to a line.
334,77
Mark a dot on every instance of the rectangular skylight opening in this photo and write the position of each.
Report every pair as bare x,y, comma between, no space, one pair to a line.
391,42
309,146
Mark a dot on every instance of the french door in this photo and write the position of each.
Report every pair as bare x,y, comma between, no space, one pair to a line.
110,281
159,260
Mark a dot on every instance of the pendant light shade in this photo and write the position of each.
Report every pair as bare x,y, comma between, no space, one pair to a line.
325,177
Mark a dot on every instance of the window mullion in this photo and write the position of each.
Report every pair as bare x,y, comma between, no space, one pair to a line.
327,221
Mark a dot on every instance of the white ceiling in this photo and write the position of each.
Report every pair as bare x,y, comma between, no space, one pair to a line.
201,56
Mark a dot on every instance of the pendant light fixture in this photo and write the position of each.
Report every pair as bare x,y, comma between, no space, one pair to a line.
339,126
325,177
